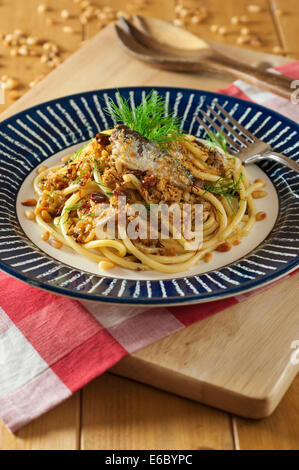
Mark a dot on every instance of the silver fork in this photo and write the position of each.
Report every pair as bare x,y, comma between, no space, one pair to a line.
250,149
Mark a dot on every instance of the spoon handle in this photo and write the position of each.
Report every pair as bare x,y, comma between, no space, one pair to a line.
275,83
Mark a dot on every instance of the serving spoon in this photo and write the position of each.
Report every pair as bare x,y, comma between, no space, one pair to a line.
196,54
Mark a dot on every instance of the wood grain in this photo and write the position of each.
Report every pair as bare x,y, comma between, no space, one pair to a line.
279,431
121,414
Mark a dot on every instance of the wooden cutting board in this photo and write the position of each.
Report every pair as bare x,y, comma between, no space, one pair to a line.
239,359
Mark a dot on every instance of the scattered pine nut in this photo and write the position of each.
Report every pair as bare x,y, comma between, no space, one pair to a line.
235,20
29,202
29,214
45,236
277,50
261,215
45,216
256,42
208,257
41,9
226,246
65,158
105,265
11,84
47,46
236,242
41,169
243,19
177,22
223,30
68,30
259,194
195,20
254,8
65,14
56,244
214,28
243,40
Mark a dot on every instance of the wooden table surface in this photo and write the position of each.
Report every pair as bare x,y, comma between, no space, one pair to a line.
112,412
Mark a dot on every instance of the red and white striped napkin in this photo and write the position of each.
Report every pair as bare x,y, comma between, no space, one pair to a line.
52,346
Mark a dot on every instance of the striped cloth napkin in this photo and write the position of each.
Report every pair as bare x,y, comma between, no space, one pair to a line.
52,346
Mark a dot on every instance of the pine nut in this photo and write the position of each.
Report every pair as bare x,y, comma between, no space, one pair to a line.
223,30
41,9
105,265
244,19
261,216
245,31
41,169
256,42
118,166
243,39
195,20
186,196
46,216
178,22
29,202
259,194
68,29
65,14
29,214
236,242
208,257
45,236
31,41
277,50
224,247
11,84
14,95
56,244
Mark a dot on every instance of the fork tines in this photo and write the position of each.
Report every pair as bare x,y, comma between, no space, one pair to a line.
230,125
